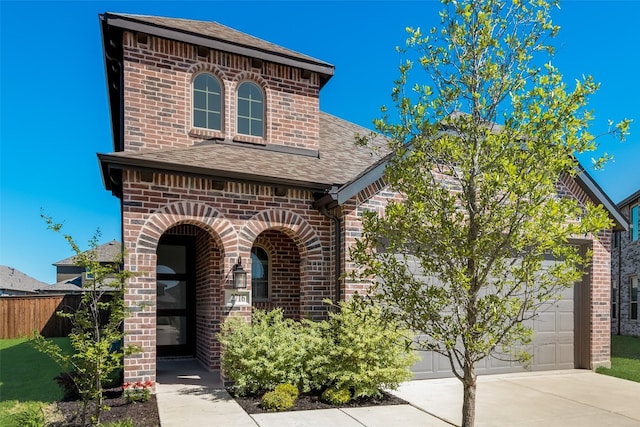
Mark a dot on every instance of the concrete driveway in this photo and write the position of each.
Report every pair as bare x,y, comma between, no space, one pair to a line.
553,398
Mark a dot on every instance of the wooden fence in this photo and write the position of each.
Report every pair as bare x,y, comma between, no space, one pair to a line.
19,316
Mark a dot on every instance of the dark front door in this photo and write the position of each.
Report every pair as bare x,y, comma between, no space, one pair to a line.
175,323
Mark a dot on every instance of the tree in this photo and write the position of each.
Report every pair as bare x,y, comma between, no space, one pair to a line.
97,333
479,147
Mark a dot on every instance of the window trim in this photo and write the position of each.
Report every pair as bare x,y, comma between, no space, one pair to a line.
194,127
269,275
634,220
614,299
633,283
248,136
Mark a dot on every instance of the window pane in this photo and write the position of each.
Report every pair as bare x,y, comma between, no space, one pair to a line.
634,311
213,102
256,128
171,330
243,126
243,108
212,84
255,92
213,121
172,294
634,223
200,82
199,100
244,90
259,273
200,119
256,111
172,259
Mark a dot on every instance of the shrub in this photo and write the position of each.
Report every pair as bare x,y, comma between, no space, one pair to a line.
356,349
277,401
337,396
30,417
270,351
366,351
290,389
137,392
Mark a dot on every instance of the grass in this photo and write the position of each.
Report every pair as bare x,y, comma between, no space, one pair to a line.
625,358
26,379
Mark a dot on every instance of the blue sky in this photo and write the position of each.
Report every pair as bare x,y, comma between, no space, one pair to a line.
54,116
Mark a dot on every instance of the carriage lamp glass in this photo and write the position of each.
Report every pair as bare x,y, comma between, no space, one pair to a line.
239,275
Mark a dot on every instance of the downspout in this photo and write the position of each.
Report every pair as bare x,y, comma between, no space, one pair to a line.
337,227
619,233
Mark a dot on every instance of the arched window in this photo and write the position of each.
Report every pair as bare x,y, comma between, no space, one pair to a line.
250,109
259,274
207,102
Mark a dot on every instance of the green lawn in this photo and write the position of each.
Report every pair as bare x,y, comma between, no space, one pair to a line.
625,358
26,378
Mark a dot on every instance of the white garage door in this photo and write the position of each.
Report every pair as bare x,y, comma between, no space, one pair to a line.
552,346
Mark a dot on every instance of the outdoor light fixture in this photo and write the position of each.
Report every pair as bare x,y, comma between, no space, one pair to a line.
239,275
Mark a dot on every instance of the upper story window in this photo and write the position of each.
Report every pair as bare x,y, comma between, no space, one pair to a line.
207,102
259,274
250,109
634,223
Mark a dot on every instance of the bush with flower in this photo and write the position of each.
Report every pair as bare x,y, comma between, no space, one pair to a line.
137,392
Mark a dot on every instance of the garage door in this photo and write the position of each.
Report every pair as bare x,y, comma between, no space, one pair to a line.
552,346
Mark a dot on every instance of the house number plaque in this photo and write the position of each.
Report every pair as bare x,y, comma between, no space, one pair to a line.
237,298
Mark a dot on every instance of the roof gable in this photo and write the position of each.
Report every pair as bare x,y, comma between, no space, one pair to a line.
217,36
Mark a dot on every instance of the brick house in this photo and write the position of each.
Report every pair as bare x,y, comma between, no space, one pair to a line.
223,163
625,271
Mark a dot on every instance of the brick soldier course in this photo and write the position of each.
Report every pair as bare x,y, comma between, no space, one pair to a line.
296,189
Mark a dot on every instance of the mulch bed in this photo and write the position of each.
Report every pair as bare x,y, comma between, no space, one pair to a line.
305,402
143,414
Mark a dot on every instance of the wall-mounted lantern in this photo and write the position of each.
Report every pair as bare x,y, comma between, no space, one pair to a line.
239,275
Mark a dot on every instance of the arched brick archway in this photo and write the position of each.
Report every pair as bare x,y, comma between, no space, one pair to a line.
314,281
185,212
215,244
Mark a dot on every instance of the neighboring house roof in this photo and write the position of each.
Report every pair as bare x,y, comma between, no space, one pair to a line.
15,280
63,287
106,253
338,161
629,200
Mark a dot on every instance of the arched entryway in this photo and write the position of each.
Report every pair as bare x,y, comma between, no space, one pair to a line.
189,294
275,273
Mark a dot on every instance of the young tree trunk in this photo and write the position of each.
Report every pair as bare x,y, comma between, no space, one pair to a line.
469,398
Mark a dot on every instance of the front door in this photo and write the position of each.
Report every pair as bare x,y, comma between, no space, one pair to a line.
175,323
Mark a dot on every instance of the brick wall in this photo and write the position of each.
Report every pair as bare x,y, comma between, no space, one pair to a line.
157,96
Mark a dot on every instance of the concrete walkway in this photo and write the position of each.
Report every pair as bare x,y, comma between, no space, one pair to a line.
190,396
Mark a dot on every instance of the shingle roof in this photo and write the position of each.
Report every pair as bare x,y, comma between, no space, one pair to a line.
66,286
106,253
16,280
338,162
215,35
